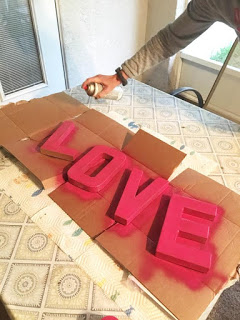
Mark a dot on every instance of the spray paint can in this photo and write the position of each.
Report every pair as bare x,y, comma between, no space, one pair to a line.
94,88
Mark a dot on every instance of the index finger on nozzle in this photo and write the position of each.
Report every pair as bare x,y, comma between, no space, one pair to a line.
85,84
88,81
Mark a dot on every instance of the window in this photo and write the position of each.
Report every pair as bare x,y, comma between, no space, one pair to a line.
215,44
20,65
202,61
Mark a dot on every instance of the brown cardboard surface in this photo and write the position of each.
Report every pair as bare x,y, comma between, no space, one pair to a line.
117,135
204,188
41,114
118,237
184,303
94,220
68,104
225,265
87,210
42,135
225,232
48,170
226,236
84,139
35,116
67,197
154,153
132,246
95,121
9,131
106,128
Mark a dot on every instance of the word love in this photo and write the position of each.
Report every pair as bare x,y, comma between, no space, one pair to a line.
187,220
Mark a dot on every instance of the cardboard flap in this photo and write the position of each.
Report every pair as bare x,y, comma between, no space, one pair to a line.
204,188
41,114
47,169
36,115
68,104
95,121
155,154
117,135
9,131
105,127
11,108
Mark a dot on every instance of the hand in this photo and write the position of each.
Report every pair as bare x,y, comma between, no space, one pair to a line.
108,83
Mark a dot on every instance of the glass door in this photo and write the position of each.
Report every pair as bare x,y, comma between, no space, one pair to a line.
30,51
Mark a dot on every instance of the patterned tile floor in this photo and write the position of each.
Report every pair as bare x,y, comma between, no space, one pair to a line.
40,282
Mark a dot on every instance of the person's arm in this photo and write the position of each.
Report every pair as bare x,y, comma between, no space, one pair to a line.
197,18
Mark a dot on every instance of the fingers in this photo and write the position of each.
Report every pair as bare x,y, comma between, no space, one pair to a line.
90,80
87,82
108,82
103,93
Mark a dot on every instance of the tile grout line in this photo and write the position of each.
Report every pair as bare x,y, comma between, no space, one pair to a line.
48,310
41,261
16,224
90,298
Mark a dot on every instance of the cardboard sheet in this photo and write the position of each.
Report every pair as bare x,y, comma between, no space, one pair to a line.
45,113
184,292
159,157
9,132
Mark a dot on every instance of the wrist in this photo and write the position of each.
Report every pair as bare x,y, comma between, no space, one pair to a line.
125,75
121,76
116,81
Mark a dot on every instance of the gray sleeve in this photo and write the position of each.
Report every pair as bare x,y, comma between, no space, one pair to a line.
197,18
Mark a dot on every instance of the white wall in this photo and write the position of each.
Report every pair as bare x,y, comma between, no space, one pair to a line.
99,35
